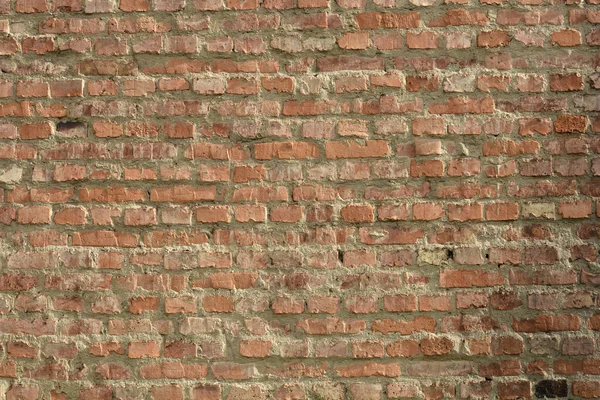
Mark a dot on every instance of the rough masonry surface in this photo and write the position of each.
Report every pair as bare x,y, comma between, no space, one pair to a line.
299,199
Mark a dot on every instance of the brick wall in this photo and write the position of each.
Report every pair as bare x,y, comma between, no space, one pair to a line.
299,199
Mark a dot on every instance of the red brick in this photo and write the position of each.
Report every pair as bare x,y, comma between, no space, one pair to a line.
37,130
278,84
496,38
139,305
167,392
255,348
69,88
217,304
286,150
428,126
212,214
34,6
586,389
514,390
33,89
242,86
369,369
370,149
468,278
323,304
355,258
350,84
501,211
429,168
460,17
566,37
403,348
34,215
566,82
357,213
367,349
354,41
8,45
423,40
400,303
374,20
570,123
427,211
250,213
576,209
287,214
134,5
